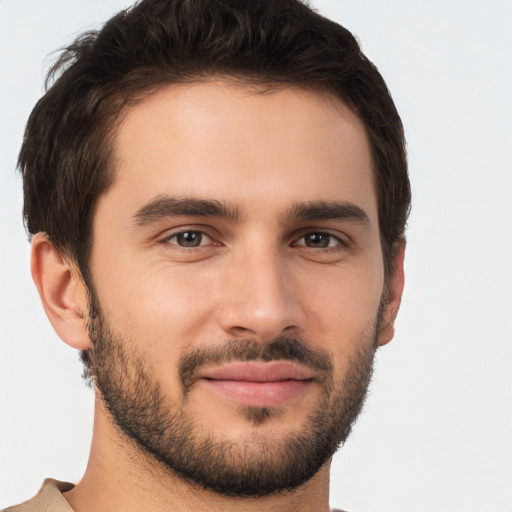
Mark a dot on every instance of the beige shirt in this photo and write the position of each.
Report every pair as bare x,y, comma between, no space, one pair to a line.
50,499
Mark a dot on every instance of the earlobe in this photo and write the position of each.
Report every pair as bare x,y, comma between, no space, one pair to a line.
62,292
394,297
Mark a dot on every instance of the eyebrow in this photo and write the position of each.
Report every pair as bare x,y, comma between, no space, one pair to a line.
165,206
327,210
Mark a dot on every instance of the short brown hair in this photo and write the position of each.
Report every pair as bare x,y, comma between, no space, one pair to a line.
65,157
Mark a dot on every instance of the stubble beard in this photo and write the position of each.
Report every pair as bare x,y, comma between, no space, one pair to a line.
253,466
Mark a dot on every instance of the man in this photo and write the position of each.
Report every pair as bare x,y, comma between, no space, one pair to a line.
217,192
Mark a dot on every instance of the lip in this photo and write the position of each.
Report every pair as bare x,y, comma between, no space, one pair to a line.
258,384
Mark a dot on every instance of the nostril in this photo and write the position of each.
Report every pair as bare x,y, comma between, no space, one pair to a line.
240,328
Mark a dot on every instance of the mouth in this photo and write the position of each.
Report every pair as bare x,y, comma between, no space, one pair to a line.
258,384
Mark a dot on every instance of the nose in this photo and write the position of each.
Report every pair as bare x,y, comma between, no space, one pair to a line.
261,299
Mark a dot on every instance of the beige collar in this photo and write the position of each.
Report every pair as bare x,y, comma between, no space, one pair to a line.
48,499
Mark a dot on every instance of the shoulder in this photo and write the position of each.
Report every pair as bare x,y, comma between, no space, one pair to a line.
48,499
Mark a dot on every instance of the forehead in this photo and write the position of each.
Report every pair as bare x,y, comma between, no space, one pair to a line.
230,142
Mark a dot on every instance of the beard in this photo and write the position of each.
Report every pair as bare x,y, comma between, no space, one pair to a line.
248,466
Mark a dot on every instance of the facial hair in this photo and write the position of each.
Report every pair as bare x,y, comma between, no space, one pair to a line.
254,466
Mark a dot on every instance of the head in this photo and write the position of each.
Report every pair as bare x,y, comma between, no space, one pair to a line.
118,90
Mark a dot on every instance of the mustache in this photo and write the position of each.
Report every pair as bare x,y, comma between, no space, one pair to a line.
281,348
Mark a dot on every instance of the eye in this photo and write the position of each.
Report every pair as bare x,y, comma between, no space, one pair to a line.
319,240
189,239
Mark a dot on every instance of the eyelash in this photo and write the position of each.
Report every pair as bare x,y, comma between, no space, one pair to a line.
202,233
340,241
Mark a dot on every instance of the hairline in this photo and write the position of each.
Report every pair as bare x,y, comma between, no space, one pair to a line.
120,103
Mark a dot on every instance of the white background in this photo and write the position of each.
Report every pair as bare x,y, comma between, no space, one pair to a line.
436,434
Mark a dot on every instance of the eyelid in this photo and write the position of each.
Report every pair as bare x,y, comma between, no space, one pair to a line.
205,239
169,234
343,240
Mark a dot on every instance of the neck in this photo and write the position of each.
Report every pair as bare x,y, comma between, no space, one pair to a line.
121,477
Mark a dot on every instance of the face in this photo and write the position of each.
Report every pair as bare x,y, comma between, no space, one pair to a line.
238,276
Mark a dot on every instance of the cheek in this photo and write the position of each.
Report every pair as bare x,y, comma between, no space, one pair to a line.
157,306
347,323
345,305
157,314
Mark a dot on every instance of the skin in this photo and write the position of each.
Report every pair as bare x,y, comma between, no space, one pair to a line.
252,277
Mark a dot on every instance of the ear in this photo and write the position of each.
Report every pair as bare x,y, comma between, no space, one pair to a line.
62,292
396,287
